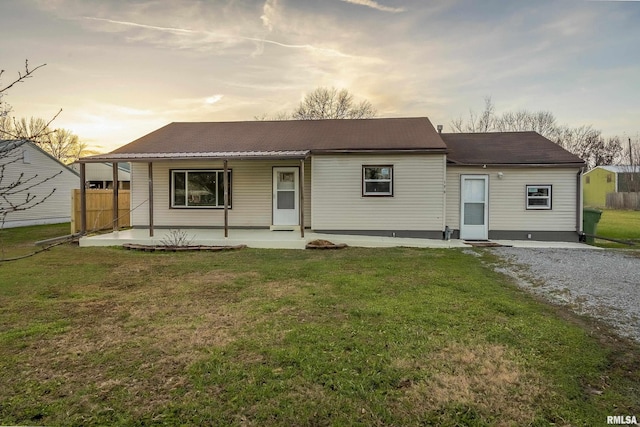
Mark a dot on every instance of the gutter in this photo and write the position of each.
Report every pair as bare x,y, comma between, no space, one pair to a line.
519,165
383,151
579,202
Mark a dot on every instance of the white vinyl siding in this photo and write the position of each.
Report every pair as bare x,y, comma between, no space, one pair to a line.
251,188
101,172
508,198
338,202
57,208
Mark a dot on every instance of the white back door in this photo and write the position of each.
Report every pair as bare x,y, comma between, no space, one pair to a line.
286,199
474,207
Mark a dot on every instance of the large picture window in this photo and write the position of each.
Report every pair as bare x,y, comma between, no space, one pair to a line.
377,180
538,197
198,188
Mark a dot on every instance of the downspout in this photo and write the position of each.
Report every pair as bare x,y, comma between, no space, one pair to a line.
301,202
446,233
579,203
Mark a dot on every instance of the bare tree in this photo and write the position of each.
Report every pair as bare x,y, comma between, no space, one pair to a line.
583,141
483,122
16,189
327,103
543,122
630,159
62,144
282,115
35,129
65,146
589,144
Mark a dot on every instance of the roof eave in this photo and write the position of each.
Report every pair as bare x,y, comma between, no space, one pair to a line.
382,151
519,165
155,157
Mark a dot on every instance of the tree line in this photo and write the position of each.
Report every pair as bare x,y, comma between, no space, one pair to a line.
584,141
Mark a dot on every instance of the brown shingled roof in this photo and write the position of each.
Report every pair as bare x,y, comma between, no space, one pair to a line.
286,136
506,148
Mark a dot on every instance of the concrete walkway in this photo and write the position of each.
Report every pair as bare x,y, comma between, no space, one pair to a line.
262,238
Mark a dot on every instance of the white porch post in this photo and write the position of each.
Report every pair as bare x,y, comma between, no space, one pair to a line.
115,196
301,179
83,199
150,199
225,181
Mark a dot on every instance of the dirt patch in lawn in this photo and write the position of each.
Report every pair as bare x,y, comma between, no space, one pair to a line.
482,377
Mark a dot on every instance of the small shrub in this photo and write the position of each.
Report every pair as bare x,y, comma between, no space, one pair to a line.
177,239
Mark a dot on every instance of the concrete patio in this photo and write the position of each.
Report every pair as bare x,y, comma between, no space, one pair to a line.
263,238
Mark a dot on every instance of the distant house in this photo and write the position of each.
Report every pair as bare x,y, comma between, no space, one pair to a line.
395,177
99,176
22,161
609,179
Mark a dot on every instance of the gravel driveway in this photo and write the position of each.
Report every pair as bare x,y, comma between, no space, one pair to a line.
604,284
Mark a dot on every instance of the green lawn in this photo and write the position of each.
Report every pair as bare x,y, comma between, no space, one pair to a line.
104,336
619,224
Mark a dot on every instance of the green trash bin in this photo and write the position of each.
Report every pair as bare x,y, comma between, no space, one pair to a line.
590,219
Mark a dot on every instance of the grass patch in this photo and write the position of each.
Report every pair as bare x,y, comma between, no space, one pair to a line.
619,224
398,336
20,240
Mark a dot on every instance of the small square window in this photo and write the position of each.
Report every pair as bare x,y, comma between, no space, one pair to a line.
377,181
539,197
588,179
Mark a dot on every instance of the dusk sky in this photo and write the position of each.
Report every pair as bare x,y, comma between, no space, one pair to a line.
120,69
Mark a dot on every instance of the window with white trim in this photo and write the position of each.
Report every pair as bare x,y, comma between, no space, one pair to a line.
198,188
538,197
377,180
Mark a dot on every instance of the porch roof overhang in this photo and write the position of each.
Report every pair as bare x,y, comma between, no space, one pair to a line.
212,155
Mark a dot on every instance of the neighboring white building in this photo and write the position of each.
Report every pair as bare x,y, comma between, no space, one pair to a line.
50,197
99,176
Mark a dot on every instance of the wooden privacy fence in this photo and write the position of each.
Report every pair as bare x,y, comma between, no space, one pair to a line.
100,210
623,200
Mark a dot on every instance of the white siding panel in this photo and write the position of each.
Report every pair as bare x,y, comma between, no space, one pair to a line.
57,207
507,198
251,194
101,172
139,195
417,202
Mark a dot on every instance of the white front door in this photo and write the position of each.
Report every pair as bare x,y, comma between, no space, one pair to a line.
474,207
285,196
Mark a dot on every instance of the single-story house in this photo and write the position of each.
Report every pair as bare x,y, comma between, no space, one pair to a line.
99,176
609,179
35,187
394,177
